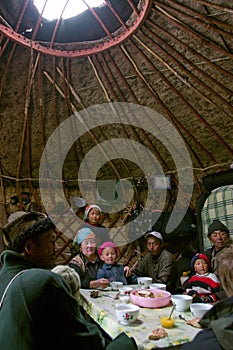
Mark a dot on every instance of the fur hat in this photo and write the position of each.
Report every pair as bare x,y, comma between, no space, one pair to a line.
107,245
24,227
88,208
199,256
84,233
70,276
217,226
154,234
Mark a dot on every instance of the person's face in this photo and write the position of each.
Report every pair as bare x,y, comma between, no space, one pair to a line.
219,239
42,250
88,247
154,245
94,216
109,255
201,266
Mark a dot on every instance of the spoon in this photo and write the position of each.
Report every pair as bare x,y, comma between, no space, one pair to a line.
173,308
182,317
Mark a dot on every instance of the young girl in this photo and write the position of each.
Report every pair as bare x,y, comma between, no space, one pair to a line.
111,270
92,216
202,285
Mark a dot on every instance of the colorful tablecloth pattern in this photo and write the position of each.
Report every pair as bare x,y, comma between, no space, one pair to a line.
102,310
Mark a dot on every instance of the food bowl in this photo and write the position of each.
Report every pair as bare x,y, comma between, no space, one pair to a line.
144,282
167,322
182,301
199,309
158,286
125,290
151,298
126,314
116,285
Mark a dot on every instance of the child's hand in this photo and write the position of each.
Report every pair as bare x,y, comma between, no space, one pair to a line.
127,271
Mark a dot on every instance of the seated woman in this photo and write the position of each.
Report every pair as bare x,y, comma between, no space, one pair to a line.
87,262
202,285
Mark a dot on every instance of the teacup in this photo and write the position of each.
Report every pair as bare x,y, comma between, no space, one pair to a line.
158,286
144,282
182,301
115,285
125,290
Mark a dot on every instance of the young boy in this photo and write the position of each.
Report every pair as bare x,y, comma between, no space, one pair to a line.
111,270
202,285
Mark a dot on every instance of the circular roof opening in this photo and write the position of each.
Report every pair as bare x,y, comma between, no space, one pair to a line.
51,9
89,32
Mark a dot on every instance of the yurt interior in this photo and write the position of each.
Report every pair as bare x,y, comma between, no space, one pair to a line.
127,104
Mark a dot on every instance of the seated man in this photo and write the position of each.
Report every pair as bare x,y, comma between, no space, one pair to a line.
37,308
158,263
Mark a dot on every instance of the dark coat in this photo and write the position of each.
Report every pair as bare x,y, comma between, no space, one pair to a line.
39,311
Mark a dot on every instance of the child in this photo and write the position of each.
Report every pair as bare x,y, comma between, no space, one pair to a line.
111,270
70,276
202,285
92,216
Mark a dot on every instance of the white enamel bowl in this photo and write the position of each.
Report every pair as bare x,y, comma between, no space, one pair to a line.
126,313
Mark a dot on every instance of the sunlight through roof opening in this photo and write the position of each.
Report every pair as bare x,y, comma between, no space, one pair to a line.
53,9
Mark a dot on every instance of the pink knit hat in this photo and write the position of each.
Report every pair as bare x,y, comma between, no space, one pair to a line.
107,245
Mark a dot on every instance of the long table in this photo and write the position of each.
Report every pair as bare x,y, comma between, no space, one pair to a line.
102,311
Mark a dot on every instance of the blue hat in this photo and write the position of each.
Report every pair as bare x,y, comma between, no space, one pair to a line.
84,233
199,256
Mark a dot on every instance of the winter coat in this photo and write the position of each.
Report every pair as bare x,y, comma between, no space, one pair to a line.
86,269
115,272
38,311
161,268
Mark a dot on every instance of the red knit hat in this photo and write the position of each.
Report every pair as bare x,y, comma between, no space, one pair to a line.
199,256
107,245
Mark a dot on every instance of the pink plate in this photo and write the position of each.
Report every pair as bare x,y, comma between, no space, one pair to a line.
161,297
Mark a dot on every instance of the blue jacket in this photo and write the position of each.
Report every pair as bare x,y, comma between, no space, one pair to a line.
115,272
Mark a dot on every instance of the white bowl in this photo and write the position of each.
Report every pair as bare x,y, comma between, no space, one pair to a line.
126,313
144,282
158,286
199,309
182,301
125,290
116,285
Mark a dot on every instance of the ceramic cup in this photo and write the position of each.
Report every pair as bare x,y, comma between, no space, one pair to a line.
158,286
182,301
144,282
116,285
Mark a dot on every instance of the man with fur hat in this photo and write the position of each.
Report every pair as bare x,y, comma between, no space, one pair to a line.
37,308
